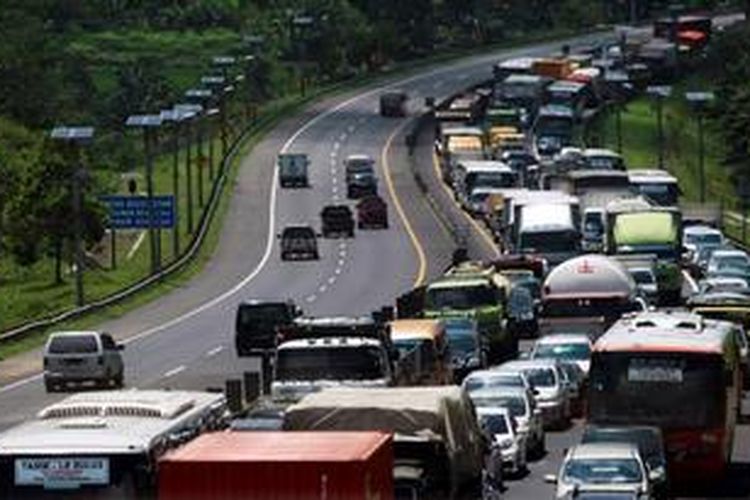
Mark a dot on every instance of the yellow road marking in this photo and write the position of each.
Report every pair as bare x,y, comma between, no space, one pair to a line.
479,229
422,272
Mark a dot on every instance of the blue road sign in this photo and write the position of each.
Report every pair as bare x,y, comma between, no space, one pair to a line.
131,212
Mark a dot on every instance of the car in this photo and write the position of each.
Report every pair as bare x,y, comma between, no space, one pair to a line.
619,466
491,378
650,443
523,408
500,427
80,357
522,312
575,347
360,176
727,259
299,242
467,349
393,103
645,280
593,230
257,322
694,238
337,220
723,284
546,378
372,213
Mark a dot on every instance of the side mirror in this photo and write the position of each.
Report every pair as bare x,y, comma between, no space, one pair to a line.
550,478
657,474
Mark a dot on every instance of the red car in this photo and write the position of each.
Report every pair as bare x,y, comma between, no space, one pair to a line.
372,212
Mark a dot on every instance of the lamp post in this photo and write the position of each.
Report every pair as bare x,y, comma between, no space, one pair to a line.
150,125
202,96
216,85
174,117
621,80
698,101
659,93
188,112
76,137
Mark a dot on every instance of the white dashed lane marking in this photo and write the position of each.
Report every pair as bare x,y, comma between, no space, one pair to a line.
175,371
214,351
310,298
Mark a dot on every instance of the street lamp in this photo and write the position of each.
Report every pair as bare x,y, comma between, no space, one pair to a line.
217,84
660,93
76,137
150,124
698,101
174,117
201,96
189,112
619,80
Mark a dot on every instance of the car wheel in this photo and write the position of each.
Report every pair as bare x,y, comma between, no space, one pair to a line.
50,386
119,380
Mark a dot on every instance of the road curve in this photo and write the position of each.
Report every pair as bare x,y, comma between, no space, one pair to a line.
184,339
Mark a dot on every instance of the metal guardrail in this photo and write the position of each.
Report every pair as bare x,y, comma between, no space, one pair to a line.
173,267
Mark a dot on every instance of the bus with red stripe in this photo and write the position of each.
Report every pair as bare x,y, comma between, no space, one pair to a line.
677,371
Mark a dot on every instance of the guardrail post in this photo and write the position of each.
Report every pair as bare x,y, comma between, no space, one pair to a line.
252,386
233,391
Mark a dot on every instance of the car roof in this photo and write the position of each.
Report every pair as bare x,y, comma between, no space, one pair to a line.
726,252
700,229
564,338
526,364
358,157
74,333
497,410
415,328
490,392
493,372
604,450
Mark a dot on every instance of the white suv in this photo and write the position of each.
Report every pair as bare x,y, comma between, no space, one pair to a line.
76,357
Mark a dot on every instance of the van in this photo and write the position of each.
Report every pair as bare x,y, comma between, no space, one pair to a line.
77,357
429,338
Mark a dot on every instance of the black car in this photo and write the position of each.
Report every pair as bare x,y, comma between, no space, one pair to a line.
293,170
256,324
299,242
338,220
650,443
393,103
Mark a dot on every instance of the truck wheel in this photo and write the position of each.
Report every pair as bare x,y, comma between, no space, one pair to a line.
360,225
50,386
385,225
119,380
351,233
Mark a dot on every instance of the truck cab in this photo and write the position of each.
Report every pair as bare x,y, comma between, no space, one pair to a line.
293,170
257,321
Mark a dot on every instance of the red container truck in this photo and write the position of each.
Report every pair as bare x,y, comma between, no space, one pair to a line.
280,465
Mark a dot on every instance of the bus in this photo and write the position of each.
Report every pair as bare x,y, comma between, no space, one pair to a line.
659,186
677,371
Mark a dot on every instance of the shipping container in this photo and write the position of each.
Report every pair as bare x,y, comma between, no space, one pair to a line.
280,465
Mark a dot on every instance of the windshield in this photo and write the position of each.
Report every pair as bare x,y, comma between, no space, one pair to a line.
405,346
461,297
552,241
462,342
73,344
554,125
573,351
490,180
515,404
593,224
657,389
666,252
663,194
499,380
605,162
540,377
733,261
643,277
494,424
330,363
711,239
648,442
603,471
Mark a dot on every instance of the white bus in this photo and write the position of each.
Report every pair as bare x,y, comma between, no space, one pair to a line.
107,442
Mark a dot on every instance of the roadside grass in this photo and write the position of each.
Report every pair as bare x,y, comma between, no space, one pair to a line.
30,295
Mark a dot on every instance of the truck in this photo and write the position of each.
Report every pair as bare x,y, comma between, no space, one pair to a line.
236,464
438,447
637,227
554,128
456,144
474,290
522,91
256,323
393,103
548,229
319,352
587,294
293,170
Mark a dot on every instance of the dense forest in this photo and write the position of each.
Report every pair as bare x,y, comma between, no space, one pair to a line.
96,62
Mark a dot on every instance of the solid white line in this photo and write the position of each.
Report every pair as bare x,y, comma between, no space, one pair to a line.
175,371
136,245
214,351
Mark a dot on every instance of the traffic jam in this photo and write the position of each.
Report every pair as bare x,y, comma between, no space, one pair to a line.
612,309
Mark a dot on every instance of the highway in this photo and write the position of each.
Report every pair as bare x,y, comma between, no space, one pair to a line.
185,339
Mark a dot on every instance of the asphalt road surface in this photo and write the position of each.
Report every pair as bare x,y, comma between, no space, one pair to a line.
185,339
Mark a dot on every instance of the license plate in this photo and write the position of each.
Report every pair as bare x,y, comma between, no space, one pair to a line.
61,472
